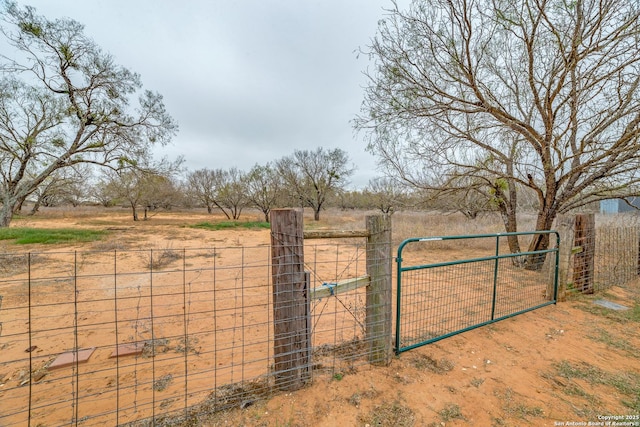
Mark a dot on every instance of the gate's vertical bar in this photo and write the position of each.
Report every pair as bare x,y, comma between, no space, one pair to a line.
398,294
290,300
379,292
495,278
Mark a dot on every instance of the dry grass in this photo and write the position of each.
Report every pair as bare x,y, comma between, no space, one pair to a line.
389,414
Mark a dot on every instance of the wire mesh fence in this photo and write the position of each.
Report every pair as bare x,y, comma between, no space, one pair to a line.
154,337
161,337
616,255
600,251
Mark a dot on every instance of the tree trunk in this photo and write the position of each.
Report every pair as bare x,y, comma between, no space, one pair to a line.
134,211
510,226
18,207
6,214
540,242
316,214
36,206
508,214
224,211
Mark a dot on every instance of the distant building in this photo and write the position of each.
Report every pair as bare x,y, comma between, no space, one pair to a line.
613,206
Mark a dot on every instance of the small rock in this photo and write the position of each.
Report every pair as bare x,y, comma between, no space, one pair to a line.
38,375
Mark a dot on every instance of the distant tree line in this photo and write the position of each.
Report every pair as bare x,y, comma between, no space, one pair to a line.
314,179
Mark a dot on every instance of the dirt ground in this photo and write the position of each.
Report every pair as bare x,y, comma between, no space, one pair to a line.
574,363
561,365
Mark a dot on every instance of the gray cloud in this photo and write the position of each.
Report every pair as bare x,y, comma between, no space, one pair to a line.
247,81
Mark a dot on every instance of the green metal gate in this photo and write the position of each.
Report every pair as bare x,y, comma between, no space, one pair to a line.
440,299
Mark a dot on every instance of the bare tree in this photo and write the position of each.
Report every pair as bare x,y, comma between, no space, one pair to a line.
219,188
64,186
264,188
232,193
202,185
537,94
314,175
141,188
102,193
385,194
72,107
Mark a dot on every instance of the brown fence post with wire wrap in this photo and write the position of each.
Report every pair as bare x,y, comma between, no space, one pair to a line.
379,292
583,261
290,300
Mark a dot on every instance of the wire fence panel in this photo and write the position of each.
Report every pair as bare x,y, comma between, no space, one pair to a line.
437,300
337,321
160,337
600,252
152,337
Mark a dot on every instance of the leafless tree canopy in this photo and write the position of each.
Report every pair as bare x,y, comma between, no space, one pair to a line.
538,93
311,176
64,102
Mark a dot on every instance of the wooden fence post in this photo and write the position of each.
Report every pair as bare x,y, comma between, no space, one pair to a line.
379,291
565,226
292,342
583,261
638,257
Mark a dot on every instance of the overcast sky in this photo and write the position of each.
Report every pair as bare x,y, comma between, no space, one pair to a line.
247,81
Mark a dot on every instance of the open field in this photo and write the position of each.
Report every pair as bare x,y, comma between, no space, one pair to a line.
572,362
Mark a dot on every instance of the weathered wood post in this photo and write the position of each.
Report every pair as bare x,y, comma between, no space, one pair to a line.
638,256
379,292
565,225
583,261
290,300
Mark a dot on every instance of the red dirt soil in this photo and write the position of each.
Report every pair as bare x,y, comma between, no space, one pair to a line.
573,362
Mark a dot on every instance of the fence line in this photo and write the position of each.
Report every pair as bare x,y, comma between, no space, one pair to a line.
158,337
165,331
596,255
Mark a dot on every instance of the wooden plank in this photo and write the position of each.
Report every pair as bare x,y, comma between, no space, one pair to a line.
583,261
290,301
379,320
329,289
335,234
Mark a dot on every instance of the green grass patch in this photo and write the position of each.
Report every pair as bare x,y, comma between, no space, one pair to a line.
451,412
518,409
586,303
619,316
27,236
224,225
626,383
614,342
424,362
